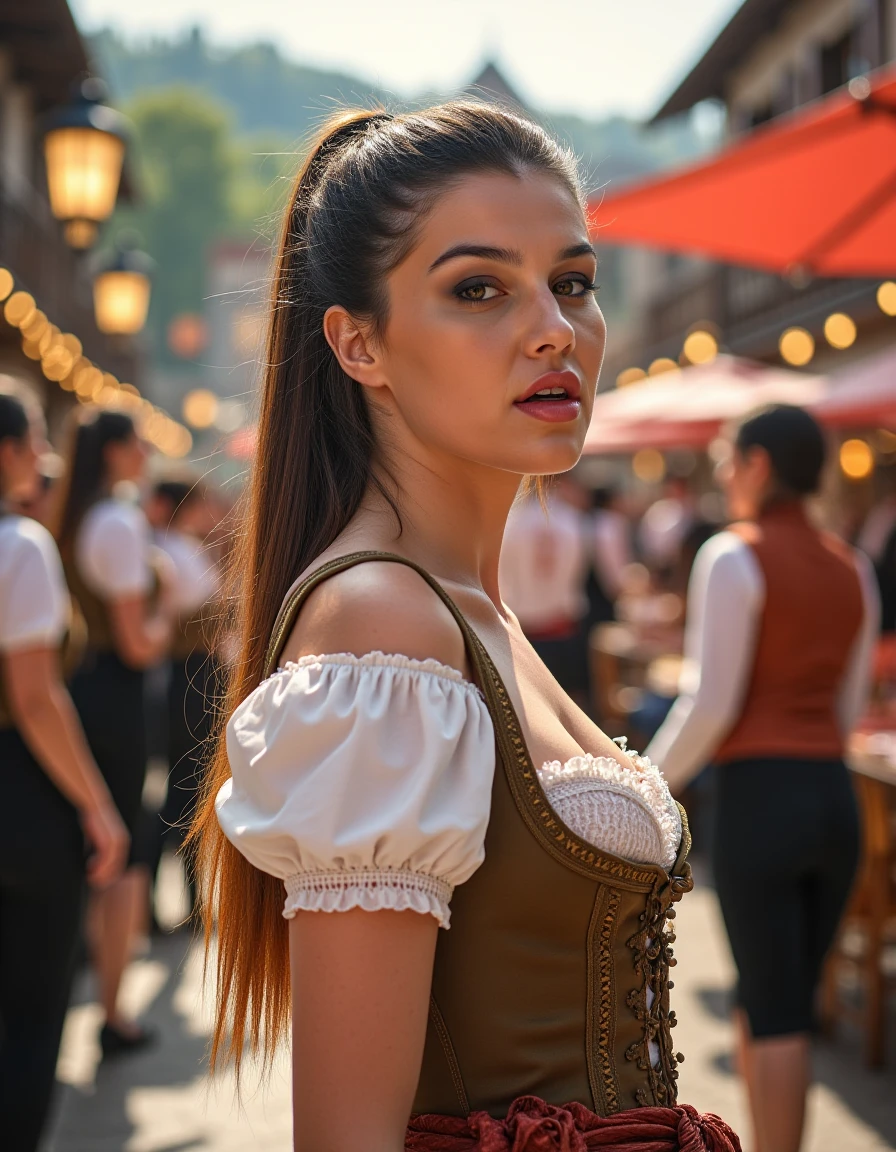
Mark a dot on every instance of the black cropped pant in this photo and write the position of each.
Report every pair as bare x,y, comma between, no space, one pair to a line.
785,852
41,889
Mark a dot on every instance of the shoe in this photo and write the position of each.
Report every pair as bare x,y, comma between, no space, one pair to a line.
115,1042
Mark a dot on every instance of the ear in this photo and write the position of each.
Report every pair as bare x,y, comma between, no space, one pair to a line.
353,347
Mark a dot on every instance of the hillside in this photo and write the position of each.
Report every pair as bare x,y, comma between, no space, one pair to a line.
266,93
217,137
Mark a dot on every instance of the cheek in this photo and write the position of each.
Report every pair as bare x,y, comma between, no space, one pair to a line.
444,369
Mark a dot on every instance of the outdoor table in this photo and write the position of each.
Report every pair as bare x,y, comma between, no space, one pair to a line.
626,659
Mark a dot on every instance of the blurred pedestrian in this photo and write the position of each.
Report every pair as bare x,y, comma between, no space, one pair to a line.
665,525
124,593
781,628
544,567
53,793
610,533
186,513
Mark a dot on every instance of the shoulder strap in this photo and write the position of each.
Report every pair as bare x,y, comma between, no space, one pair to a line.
296,597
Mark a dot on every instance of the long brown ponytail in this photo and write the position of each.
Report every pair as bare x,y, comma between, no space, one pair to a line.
355,211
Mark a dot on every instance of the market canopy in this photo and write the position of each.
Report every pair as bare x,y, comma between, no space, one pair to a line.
688,408
814,192
862,395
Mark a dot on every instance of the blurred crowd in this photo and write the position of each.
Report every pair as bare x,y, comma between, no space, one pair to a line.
111,613
110,590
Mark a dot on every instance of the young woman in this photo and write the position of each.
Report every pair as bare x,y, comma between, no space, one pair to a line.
53,793
124,595
435,338
185,514
782,621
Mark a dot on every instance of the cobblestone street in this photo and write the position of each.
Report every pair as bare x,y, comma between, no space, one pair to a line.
162,1101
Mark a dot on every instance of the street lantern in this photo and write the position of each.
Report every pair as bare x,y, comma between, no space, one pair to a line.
84,145
121,289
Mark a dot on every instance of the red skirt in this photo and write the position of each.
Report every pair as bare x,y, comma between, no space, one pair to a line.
532,1125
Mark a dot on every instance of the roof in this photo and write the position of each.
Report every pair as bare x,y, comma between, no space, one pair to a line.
753,20
491,85
49,56
45,47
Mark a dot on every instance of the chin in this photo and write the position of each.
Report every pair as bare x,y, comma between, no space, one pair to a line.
550,459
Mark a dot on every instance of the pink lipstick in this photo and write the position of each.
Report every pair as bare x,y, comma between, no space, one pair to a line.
554,398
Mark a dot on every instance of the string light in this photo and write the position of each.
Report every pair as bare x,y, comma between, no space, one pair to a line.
662,365
796,346
886,297
630,376
856,459
701,347
840,330
649,466
19,309
62,360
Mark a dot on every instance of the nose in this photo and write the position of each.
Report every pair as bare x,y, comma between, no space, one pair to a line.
549,330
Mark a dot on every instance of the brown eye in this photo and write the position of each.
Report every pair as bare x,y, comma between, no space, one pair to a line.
477,293
571,287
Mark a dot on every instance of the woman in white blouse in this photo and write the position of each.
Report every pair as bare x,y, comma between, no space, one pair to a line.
435,338
53,793
121,586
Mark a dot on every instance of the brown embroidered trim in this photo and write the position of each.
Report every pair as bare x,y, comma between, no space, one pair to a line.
601,1003
438,1022
653,958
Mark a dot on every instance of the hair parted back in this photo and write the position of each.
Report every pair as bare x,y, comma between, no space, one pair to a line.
794,442
84,477
356,210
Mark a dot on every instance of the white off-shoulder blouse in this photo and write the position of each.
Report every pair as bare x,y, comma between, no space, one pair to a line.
365,782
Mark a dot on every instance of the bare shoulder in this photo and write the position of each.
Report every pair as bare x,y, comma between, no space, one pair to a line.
380,606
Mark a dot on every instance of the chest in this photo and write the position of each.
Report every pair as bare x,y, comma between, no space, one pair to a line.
553,726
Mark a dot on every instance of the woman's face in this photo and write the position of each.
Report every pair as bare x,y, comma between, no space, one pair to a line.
19,472
126,460
496,301
744,478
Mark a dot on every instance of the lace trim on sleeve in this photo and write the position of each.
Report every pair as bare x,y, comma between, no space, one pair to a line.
370,889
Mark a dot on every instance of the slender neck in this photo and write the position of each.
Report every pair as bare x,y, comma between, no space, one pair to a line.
453,515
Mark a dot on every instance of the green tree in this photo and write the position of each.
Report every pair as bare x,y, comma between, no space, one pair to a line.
184,172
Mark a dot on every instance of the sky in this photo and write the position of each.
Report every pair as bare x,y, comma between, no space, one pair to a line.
587,56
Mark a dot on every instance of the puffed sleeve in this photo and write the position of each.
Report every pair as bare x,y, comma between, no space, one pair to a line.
361,782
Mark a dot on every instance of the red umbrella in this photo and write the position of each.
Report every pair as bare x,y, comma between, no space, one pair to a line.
687,409
813,192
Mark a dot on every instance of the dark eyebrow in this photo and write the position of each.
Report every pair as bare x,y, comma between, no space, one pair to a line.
506,255
582,249
483,251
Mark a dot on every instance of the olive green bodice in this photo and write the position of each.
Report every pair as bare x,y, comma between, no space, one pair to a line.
541,984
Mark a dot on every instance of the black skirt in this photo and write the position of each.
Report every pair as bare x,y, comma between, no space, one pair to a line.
109,698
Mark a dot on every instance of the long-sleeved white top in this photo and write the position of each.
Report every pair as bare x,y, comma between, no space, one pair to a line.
726,596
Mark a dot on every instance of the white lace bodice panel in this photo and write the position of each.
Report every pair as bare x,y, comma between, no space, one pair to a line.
621,806
366,782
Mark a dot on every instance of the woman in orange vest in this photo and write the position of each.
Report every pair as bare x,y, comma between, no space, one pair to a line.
782,620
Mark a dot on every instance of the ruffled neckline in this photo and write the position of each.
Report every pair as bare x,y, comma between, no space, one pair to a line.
379,659
631,775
